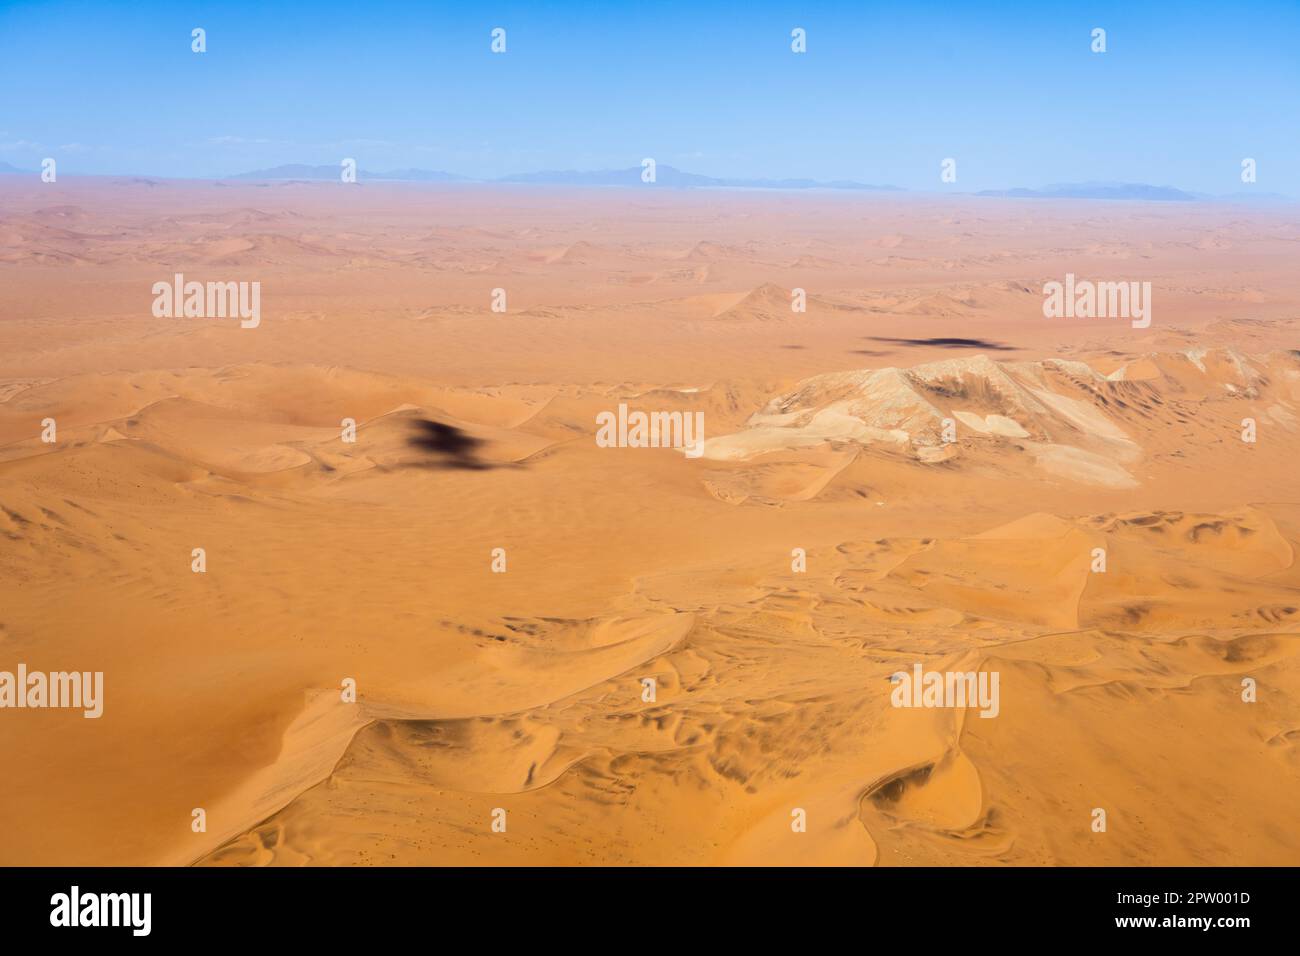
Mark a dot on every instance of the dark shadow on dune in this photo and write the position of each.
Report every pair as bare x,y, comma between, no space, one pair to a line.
874,353
946,343
449,446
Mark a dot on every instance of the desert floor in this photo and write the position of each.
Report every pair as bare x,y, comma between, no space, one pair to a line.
522,690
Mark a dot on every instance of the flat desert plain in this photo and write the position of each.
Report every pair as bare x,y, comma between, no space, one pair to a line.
686,659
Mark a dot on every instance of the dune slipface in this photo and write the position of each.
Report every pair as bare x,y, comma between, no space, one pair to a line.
364,586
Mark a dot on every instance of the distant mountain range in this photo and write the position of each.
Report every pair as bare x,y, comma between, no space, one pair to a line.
303,171
664,176
1141,191
671,177
1132,191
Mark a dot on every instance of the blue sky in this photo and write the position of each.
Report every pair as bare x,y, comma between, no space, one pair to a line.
1012,91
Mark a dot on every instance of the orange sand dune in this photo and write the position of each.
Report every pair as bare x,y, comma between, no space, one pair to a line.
919,470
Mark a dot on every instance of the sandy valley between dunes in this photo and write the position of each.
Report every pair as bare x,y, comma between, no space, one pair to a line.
372,560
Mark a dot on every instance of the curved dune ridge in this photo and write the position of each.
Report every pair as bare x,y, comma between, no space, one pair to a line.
638,656
768,705
772,689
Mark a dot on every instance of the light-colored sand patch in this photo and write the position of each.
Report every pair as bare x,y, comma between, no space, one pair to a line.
1085,467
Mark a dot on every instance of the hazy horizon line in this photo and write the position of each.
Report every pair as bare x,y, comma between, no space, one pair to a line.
1097,190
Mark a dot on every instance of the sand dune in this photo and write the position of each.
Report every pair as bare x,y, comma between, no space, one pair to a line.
525,690
740,746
